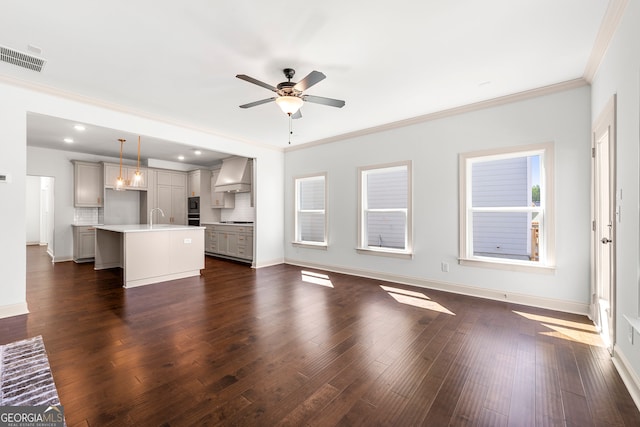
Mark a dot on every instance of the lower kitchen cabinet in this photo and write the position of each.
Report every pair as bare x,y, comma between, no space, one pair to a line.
84,243
230,241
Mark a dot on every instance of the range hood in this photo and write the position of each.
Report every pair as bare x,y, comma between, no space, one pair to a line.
235,176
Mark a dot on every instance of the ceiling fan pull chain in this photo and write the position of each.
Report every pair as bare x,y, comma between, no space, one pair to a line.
290,131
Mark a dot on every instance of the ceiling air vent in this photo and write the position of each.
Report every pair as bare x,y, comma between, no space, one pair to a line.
21,59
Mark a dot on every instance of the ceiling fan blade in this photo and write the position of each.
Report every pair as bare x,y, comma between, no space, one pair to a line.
297,115
311,79
324,101
262,101
256,82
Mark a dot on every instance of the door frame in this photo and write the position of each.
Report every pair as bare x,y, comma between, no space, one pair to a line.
606,122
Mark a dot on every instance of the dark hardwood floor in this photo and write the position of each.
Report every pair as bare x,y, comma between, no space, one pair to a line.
278,346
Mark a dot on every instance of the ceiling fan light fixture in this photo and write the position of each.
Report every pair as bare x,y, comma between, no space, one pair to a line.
289,104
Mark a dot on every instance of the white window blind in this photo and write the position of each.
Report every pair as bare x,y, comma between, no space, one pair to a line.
506,207
385,214
310,222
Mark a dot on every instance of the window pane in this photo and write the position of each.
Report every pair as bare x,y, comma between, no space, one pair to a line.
386,229
312,194
387,188
311,226
508,235
506,182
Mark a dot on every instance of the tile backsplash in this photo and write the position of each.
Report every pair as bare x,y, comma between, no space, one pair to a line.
243,210
88,216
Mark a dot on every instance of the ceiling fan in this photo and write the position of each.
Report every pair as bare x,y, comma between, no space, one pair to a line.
290,94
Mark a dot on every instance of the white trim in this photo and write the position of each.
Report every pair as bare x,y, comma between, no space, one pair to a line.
608,27
628,375
504,264
490,103
547,177
302,243
268,263
126,110
361,248
385,252
13,310
473,291
309,245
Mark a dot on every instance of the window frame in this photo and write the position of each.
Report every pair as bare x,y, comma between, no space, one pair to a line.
304,243
362,248
547,208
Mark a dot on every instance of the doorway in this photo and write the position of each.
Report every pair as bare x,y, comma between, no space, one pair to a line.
40,212
604,224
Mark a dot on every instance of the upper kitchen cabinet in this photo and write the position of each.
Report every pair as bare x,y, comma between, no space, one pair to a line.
172,197
112,172
194,187
87,184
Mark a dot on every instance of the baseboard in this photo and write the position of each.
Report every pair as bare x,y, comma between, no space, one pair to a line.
629,377
61,259
268,263
530,300
13,310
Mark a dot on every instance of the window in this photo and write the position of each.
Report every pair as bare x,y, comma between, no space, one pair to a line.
311,218
506,209
384,225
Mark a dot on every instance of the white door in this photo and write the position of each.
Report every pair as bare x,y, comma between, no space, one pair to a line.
604,223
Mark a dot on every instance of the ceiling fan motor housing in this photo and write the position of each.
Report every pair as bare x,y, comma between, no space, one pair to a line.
286,89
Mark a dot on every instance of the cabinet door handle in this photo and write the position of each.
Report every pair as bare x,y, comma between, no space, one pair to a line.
91,229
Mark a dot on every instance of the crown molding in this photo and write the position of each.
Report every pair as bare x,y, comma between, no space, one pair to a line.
608,27
72,96
494,102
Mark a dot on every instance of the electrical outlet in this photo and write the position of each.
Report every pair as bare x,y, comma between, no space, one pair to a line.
630,334
444,266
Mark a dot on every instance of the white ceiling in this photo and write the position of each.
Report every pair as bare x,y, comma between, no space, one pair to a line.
389,61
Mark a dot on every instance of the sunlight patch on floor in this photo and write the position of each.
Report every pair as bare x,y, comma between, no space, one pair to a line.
566,329
316,278
416,299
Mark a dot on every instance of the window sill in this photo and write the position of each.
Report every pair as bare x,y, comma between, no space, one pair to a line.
385,253
633,321
320,246
506,265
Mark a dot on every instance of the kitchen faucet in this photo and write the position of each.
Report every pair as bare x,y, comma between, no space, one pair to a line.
151,216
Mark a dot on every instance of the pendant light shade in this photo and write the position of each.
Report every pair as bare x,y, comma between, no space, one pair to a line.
289,104
137,177
120,179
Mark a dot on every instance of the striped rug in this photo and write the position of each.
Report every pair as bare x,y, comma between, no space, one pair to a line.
25,375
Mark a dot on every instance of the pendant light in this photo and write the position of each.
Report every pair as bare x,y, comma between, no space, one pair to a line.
137,178
120,180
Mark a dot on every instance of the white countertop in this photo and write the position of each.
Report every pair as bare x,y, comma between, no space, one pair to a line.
228,223
86,225
135,228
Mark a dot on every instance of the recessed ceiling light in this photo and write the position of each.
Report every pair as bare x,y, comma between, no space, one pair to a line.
68,140
79,128
180,157
197,152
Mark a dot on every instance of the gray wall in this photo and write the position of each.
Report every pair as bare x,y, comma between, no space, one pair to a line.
563,118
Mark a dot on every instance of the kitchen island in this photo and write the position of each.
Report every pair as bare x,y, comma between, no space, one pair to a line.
150,254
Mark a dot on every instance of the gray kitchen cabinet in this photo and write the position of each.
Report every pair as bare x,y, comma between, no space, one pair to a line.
210,240
112,172
84,238
87,184
222,199
227,240
194,184
171,197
